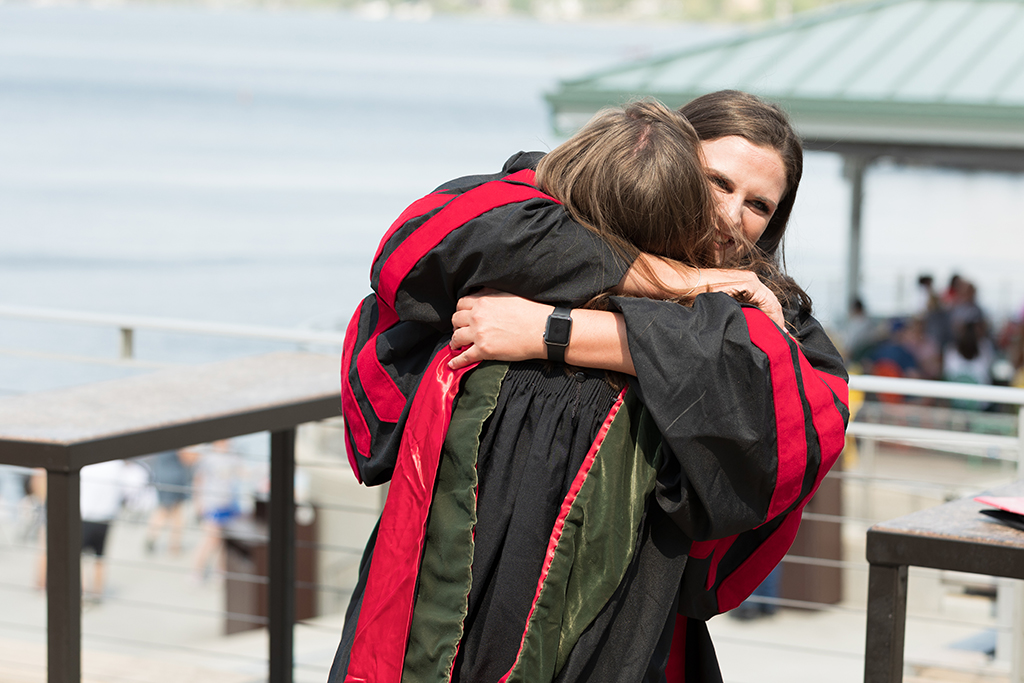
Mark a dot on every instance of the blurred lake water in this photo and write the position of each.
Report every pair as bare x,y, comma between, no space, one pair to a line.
240,165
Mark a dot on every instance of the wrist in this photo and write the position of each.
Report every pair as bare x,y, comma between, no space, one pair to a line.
557,332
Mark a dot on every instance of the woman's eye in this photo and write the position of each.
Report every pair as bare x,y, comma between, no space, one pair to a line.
721,183
761,207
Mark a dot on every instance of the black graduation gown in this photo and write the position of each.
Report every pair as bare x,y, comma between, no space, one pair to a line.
549,527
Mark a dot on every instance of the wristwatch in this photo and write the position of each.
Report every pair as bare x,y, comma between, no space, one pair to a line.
556,333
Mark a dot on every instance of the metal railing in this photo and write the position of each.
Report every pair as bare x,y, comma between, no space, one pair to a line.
913,421
65,430
924,429
128,324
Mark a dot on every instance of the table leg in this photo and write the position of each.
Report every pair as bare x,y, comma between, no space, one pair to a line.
282,555
886,624
63,577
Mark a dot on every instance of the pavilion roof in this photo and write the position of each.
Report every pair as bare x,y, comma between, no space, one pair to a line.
939,81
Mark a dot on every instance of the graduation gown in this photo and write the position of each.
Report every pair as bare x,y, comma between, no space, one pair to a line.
658,505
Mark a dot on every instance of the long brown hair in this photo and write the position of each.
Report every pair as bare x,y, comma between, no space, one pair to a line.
765,124
634,175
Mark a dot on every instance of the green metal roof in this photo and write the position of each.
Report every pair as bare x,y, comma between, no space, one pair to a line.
931,74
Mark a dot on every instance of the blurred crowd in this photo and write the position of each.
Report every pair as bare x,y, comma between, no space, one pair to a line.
207,483
948,336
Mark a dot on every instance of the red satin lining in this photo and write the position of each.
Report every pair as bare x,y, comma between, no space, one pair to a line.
378,649
701,549
559,526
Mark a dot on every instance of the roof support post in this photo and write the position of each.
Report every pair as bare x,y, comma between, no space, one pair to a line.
854,167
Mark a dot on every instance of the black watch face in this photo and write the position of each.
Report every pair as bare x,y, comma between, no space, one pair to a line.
557,331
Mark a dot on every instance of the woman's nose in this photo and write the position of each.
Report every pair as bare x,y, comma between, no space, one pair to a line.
731,210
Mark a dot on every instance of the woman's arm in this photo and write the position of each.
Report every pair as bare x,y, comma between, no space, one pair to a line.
801,440
492,325
713,377
500,326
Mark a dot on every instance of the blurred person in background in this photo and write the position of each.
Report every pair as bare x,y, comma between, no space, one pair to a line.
950,295
105,488
12,491
35,497
217,481
172,478
965,309
926,351
1011,342
858,332
969,357
925,298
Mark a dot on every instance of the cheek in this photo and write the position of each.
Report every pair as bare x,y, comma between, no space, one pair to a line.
754,226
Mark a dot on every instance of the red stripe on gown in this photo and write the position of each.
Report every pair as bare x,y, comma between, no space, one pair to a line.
457,213
818,388
415,210
384,396
355,421
827,420
791,438
739,585
675,670
378,648
828,425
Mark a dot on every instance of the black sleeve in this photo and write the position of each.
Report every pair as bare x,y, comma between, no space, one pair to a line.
720,381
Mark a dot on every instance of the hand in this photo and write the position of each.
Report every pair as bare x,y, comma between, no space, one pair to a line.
492,325
745,282
683,280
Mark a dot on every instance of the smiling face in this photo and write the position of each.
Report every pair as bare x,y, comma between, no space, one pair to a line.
748,182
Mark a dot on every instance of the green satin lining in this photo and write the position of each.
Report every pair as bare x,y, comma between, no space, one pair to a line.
597,544
446,569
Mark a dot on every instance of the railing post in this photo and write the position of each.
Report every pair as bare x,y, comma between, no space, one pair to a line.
1017,646
282,555
63,577
1020,442
127,343
868,454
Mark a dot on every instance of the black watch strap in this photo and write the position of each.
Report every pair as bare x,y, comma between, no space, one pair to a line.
557,333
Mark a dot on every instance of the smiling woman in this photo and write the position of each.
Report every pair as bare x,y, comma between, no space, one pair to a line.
749,182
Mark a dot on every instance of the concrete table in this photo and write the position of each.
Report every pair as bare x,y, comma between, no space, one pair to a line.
67,429
954,536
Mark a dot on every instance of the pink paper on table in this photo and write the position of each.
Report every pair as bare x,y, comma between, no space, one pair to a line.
1008,503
